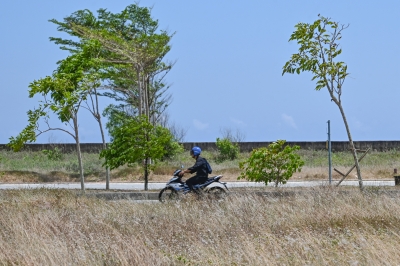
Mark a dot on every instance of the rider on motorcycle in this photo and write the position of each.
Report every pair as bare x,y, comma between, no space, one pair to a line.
200,167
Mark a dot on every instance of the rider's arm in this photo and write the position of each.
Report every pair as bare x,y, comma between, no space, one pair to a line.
192,169
184,171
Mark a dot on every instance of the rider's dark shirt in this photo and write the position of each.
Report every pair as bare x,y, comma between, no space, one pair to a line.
200,167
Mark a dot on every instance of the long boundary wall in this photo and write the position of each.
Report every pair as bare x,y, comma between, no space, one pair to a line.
244,146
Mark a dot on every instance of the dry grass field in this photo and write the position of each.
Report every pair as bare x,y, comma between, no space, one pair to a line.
322,227
38,167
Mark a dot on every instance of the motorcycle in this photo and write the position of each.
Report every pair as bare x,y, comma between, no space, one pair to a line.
175,186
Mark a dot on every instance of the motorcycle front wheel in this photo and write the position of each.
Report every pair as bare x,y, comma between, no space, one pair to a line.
167,194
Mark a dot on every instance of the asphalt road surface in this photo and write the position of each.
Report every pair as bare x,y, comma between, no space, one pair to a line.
158,186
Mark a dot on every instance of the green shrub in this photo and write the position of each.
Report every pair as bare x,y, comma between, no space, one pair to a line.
227,150
172,147
275,163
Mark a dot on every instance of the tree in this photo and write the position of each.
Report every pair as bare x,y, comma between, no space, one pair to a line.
131,55
318,52
63,94
136,141
134,49
62,97
275,163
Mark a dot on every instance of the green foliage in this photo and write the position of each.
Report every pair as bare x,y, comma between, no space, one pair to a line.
318,50
172,147
117,118
64,98
135,141
54,154
28,134
62,93
132,22
130,49
227,150
275,163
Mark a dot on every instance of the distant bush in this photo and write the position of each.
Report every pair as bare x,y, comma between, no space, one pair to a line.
53,155
227,150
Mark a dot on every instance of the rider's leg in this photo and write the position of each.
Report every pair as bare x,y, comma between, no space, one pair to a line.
200,180
191,182
195,180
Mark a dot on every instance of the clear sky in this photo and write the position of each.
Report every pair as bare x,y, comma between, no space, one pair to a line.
229,56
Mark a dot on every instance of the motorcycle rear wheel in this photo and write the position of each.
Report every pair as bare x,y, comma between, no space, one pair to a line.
167,194
217,193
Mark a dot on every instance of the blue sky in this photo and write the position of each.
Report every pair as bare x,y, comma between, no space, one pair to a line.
229,57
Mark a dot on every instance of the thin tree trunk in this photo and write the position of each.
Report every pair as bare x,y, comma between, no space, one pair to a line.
78,151
140,107
103,139
277,179
353,148
150,108
147,87
105,147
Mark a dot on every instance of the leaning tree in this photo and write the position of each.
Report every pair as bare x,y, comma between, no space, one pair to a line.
63,95
129,50
318,52
133,50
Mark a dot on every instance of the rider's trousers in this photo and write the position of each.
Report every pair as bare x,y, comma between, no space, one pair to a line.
196,180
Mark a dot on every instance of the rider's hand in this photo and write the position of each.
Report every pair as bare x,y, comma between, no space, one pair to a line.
181,173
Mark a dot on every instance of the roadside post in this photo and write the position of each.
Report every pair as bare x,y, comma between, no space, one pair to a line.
396,177
329,152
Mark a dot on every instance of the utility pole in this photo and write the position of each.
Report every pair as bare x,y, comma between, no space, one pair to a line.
329,152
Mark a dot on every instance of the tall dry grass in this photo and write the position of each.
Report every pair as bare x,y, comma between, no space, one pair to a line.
322,227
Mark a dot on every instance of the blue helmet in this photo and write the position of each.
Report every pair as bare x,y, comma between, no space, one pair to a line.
195,151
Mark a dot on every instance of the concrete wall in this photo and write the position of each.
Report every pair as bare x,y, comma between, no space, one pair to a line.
309,145
244,146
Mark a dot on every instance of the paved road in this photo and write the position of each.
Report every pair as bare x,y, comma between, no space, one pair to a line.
158,186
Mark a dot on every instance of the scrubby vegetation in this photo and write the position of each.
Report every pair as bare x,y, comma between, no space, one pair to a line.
227,150
28,166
